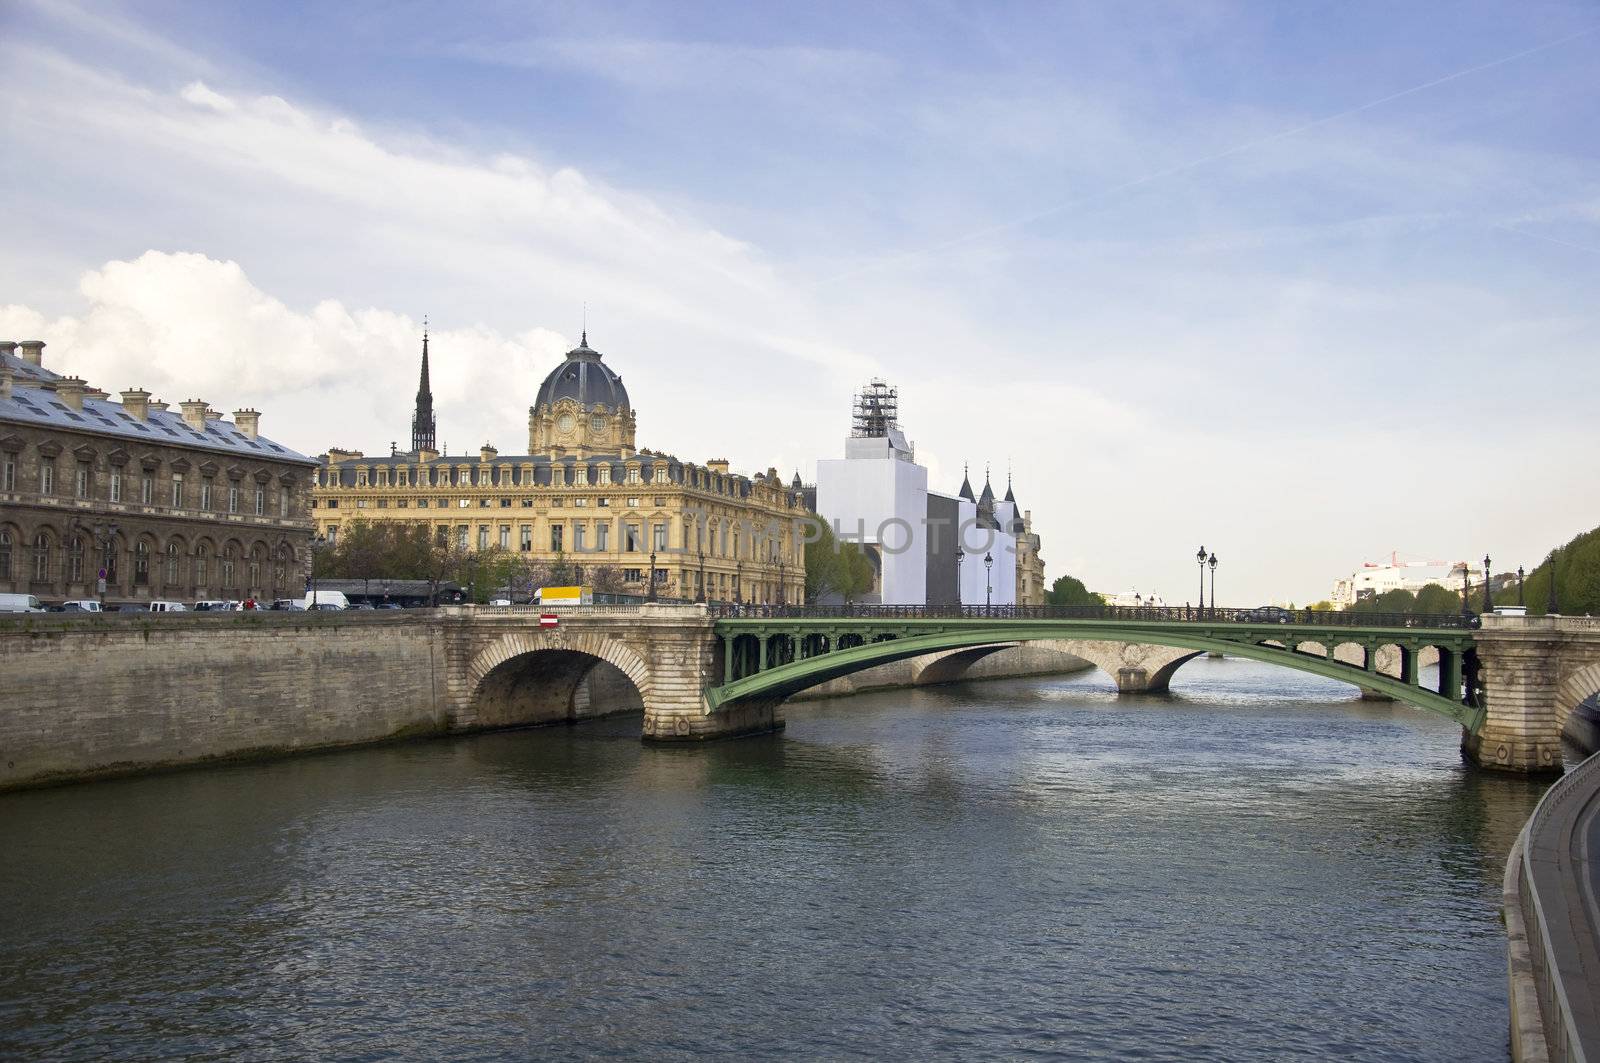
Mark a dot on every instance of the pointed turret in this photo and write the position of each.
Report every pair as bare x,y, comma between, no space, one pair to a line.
987,498
1009,496
796,484
966,485
422,423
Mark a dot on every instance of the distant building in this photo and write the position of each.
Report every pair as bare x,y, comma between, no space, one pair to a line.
925,547
168,505
582,495
1374,578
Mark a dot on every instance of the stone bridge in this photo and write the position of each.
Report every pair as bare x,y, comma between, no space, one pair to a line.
93,695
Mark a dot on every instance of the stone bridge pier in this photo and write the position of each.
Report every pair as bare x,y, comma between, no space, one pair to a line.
1534,672
505,669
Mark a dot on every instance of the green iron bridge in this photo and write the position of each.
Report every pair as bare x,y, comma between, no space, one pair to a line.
769,653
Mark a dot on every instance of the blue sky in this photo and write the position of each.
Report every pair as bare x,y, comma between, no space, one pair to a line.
1305,282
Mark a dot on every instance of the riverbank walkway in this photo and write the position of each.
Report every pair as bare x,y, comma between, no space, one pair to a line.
1553,924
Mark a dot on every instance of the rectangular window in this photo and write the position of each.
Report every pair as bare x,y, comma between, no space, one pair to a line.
602,533
633,575
578,537
422,503
505,536
555,538
205,495
116,485
177,490
505,503
9,483
283,501
233,499
633,476
580,503
527,503
47,478
147,489
401,503
603,502
630,537
660,501
658,540
525,538
333,534
462,531
483,537
605,474
80,485
361,503
332,503
261,501
383,503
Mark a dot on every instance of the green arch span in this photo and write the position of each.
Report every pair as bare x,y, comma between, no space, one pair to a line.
791,678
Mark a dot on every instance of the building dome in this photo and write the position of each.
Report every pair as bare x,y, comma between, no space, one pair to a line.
584,379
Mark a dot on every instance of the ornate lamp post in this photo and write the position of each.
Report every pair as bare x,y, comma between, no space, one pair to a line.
1466,592
700,594
1522,597
318,544
1551,605
1488,605
650,594
738,581
1200,559
781,600
1212,562
988,581
961,555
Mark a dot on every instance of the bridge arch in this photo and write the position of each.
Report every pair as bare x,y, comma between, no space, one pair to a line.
542,677
1577,687
1173,646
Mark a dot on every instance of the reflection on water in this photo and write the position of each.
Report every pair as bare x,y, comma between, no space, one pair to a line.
1260,867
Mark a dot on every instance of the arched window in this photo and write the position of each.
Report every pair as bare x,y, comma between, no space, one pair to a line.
230,563
108,560
75,560
141,564
5,554
170,575
258,558
202,564
41,558
280,570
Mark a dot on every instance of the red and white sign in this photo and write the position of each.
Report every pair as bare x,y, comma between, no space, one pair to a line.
548,620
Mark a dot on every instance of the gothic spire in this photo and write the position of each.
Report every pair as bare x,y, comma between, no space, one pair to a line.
422,424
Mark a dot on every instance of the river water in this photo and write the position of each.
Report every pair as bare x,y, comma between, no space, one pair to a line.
1258,868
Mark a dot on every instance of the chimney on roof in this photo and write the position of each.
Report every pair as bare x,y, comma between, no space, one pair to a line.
136,401
33,352
8,347
213,415
248,422
5,382
157,406
70,389
487,453
194,414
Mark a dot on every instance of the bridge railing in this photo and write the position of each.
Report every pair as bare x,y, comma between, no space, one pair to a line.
1164,614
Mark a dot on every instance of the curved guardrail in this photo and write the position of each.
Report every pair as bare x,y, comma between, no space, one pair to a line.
1557,868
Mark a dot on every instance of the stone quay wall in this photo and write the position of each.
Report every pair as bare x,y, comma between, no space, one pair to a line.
90,696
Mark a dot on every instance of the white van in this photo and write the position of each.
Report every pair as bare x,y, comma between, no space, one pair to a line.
20,603
81,605
326,600
168,607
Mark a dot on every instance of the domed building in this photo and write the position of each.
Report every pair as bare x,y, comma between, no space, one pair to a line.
584,504
581,408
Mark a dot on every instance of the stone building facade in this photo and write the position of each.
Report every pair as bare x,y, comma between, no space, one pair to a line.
583,495
176,505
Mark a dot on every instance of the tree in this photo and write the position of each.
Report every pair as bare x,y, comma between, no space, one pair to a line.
1323,606
1069,590
1435,600
1398,600
837,568
1577,578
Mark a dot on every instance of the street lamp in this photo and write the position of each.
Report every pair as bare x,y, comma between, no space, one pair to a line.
1466,591
1212,562
319,543
650,595
988,581
1200,559
781,600
1522,598
700,595
961,555
738,581
1488,606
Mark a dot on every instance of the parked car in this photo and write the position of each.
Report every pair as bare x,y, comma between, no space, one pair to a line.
328,607
319,598
363,605
1267,614
20,603
80,605
168,607
389,605
288,605
210,606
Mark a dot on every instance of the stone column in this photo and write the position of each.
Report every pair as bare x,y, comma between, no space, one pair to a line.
1520,661
682,655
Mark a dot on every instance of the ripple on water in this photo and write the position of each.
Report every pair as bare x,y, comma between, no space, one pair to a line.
1259,867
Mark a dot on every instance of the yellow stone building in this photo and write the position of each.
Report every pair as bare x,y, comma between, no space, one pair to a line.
585,496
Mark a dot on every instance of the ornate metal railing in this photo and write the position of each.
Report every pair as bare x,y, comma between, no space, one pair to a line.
1166,614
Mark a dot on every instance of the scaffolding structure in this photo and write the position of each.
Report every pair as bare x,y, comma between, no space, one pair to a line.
877,410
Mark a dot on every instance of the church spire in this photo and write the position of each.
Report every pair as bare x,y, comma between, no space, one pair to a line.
422,424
